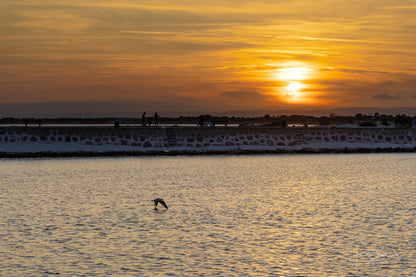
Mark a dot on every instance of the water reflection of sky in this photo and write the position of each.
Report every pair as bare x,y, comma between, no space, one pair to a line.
314,215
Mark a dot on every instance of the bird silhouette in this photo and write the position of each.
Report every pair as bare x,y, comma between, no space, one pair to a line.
160,200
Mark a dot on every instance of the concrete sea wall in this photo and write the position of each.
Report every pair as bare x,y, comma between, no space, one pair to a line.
19,141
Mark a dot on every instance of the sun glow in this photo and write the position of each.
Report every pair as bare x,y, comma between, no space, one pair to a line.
292,78
293,92
294,73
295,86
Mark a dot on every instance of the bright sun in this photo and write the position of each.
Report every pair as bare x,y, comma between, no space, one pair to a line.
293,92
294,86
291,75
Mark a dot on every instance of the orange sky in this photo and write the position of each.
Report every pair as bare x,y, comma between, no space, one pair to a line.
210,55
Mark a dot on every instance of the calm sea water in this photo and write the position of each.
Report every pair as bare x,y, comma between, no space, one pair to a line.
312,215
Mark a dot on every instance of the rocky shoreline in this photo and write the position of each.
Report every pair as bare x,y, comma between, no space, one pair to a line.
92,154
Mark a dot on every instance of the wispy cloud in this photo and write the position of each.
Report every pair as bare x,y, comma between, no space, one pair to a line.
149,33
385,96
350,40
57,20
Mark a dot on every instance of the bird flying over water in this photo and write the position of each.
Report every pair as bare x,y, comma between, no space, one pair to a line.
160,200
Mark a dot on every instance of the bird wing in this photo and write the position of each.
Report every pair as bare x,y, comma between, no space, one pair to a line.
163,203
157,200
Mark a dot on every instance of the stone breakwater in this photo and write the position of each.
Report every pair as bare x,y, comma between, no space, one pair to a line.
56,141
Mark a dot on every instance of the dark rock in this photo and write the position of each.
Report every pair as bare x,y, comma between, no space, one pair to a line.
147,144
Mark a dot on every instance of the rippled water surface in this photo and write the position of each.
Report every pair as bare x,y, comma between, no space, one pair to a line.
312,215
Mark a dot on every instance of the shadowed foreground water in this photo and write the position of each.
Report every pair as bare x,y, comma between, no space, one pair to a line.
314,215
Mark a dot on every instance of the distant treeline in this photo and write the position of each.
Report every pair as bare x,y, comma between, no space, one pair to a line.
267,120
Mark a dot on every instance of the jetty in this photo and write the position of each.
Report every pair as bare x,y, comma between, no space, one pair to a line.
110,141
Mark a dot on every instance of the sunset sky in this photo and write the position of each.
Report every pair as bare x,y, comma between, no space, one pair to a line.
209,56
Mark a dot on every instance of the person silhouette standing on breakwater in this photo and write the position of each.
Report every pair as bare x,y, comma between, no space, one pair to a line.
156,119
201,121
144,119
